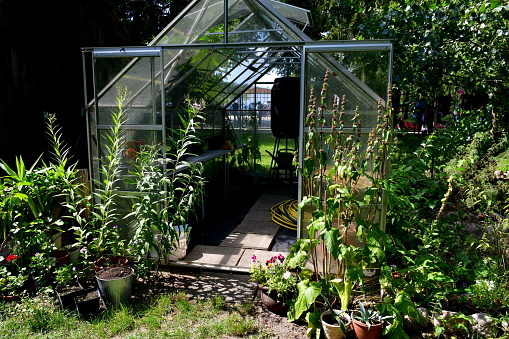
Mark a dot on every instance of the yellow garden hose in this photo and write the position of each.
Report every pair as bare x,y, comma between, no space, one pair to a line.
285,214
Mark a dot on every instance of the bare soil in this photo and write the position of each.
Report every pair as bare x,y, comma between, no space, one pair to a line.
277,325
89,295
115,272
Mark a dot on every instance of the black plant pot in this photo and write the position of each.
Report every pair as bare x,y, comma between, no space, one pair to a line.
66,296
88,301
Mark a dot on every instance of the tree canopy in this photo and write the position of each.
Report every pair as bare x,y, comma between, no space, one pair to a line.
446,46
441,47
143,19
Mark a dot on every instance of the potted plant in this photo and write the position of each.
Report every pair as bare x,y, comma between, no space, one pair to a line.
34,203
342,171
15,284
335,323
276,282
105,262
115,284
250,154
167,197
368,323
66,286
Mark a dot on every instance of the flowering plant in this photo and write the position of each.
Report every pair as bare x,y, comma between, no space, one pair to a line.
66,275
274,274
10,279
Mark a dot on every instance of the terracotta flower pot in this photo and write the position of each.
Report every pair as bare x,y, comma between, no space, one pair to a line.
363,332
331,329
61,257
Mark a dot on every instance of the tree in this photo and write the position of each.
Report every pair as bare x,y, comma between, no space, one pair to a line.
144,19
337,20
442,47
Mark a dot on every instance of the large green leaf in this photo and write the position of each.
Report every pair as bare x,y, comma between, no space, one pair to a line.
332,241
406,306
308,291
344,289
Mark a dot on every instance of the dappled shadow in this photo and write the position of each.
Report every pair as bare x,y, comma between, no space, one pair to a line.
235,288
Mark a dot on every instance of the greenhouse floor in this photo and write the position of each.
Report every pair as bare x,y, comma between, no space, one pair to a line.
240,228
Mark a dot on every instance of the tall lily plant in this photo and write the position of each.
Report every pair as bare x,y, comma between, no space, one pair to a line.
343,175
166,199
98,234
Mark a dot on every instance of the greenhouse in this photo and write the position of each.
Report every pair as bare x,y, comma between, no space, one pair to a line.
254,68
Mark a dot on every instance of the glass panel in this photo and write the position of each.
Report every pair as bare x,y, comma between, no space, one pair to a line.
142,80
248,23
134,141
193,24
292,13
344,82
351,77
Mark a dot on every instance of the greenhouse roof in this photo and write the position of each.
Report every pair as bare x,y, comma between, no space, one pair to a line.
217,49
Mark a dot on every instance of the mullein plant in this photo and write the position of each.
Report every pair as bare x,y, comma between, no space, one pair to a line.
343,180
166,199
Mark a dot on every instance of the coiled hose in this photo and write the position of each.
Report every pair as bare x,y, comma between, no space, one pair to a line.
285,214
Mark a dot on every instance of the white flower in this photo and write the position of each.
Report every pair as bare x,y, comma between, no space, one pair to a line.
287,275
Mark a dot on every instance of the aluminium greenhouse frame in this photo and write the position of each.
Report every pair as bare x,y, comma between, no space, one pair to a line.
236,64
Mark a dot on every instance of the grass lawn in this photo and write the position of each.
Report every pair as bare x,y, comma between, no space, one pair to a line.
266,143
166,316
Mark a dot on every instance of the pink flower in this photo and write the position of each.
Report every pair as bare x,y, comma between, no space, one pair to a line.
460,92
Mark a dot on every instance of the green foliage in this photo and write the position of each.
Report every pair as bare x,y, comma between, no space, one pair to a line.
457,135
99,234
66,275
34,205
343,183
166,199
369,316
441,47
249,156
274,274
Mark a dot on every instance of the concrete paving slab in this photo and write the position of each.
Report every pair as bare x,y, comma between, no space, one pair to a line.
267,201
242,240
264,215
214,255
235,288
257,227
246,260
